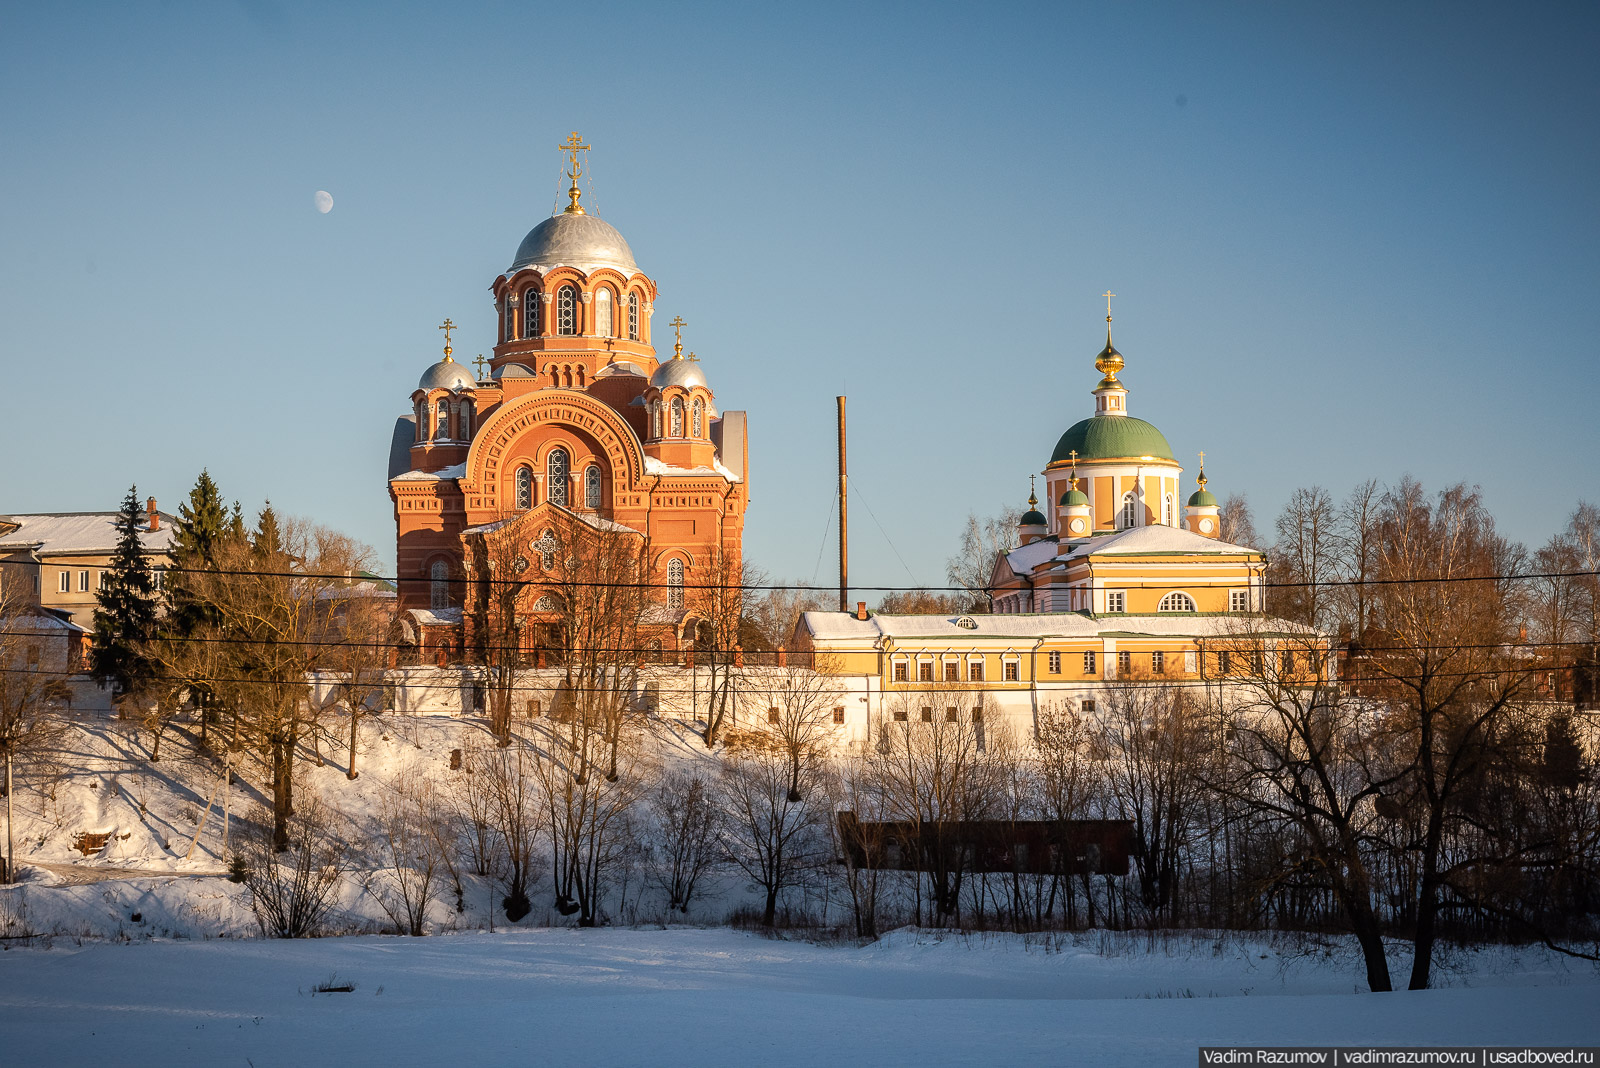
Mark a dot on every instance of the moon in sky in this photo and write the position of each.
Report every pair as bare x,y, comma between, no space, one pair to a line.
323,200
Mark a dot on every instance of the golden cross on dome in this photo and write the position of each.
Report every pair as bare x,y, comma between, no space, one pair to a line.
1033,497
1072,482
1202,478
480,361
447,326
677,325
572,146
1108,295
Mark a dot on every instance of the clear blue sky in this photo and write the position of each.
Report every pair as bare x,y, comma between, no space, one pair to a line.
1348,241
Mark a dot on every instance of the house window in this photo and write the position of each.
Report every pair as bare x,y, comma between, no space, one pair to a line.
533,708
1176,602
1224,662
677,418
66,582
524,488
1116,601
1167,511
531,302
899,715
975,671
1286,662
1130,511
900,671
1055,663
1158,662
591,486
1238,600
675,585
951,714
697,419
1089,662
103,584
602,312
567,311
952,671
556,466
1124,662
772,715
838,713
925,671
1255,662
83,582
633,317
1088,705
927,715
439,585
1011,671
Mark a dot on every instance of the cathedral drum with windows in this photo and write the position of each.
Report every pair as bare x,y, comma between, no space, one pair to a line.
576,422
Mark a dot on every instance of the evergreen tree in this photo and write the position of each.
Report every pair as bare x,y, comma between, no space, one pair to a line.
267,539
201,529
125,622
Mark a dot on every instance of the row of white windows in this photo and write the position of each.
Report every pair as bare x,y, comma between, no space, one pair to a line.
438,427
546,546
568,315
1117,602
675,419
102,578
1010,671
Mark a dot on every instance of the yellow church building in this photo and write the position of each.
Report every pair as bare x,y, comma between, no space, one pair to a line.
1117,581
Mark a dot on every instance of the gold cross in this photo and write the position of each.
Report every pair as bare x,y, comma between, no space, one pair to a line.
572,147
1202,459
480,361
1033,497
677,325
1108,295
447,326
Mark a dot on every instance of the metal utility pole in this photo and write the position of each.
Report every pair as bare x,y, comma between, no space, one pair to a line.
844,520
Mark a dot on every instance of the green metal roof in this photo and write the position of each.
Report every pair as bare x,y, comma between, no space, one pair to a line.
1072,497
1031,518
1105,437
1202,499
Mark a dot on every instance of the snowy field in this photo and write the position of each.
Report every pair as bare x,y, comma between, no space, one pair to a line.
722,997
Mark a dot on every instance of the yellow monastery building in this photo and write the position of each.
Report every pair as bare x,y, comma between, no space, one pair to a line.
1115,582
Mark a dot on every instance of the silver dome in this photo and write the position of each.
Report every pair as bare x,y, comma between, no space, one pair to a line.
679,372
447,374
581,241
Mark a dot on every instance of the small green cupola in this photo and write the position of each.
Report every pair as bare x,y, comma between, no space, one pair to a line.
1202,516
1033,525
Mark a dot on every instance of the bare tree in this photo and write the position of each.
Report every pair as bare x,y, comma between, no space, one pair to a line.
1305,557
776,611
802,701
512,783
1357,525
1067,786
1236,524
34,664
972,566
688,824
720,609
772,839
411,854
858,840
292,889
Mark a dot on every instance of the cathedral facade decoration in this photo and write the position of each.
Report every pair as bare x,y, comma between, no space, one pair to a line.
575,419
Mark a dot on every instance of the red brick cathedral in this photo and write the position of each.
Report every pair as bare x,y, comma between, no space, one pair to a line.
576,420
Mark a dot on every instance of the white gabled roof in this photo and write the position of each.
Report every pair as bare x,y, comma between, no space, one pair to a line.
453,471
81,532
844,626
1156,539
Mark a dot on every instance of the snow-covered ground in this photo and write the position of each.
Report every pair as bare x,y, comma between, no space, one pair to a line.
721,997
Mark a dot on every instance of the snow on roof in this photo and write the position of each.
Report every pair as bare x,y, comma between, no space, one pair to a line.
589,519
453,471
81,532
1026,558
844,626
652,466
437,617
1155,539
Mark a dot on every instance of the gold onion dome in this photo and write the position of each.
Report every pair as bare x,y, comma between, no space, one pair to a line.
1109,362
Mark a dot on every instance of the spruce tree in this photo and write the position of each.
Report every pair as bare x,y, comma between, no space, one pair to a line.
125,622
201,529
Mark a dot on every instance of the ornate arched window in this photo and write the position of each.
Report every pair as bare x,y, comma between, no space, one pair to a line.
510,331
1167,511
567,310
556,468
1176,602
422,420
464,413
546,547
676,430
579,372
655,420
439,584
602,312
697,419
591,486
441,426
531,304
1129,516
675,585
524,488
633,317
